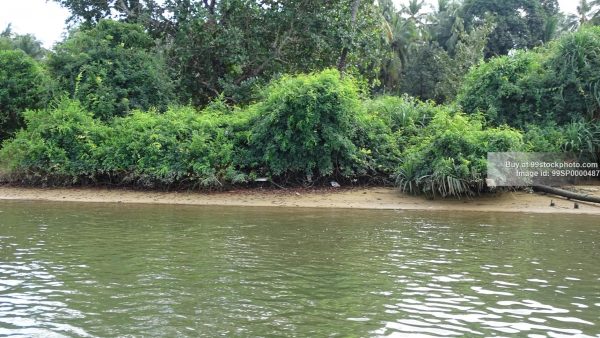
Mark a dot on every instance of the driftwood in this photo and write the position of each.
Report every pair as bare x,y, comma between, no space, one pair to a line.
567,194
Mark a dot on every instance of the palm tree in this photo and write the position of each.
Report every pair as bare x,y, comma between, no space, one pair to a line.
30,45
7,32
414,10
400,36
587,12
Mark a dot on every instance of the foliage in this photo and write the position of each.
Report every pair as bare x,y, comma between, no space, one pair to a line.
507,89
27,43
429,55
572,76
398,36
386,127
66,145
558,84
588,12
60,144
543,138
426,73
305,127
520,24
112,70
23,85
234,47
579,137
180,146
448,157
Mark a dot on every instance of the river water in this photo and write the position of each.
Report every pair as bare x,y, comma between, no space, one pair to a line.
108,270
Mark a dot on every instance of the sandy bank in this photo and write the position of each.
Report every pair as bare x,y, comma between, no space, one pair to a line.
360,198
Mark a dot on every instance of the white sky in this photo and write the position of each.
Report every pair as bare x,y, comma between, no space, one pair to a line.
46,19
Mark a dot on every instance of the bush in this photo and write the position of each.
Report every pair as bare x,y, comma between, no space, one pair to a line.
448,157
23,85
385,128
507,89
577,137
558,84
572,76
112,70
546,138
61,145
305,127
181,146
66,145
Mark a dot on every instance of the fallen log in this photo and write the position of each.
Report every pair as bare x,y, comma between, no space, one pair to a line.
567,194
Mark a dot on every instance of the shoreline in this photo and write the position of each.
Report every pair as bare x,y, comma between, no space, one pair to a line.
346,198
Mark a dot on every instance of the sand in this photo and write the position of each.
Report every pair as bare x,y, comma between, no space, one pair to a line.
358,198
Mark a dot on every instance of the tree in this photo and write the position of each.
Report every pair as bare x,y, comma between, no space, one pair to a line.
557,84
435,73
506,89
159,17
233,47
306,126
426,73
342,62
415,12
519,23
27,43
244,44
446,25
22,86
399,36
112,69
587,13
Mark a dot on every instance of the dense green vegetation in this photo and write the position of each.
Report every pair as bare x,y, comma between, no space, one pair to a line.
111,70
306,127
558,83
23,85
206,94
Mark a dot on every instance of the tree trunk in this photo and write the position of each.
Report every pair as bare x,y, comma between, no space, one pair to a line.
567,194
345,50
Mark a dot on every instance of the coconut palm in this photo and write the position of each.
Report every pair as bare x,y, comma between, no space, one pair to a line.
587,12
400,35
414,11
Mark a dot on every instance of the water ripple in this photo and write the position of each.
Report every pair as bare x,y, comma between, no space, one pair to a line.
95,271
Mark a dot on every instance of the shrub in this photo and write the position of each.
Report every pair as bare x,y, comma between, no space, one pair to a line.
558,84
546,138
572,76
305,127
66,145
385,128
61,145
578,136
507,90
181,146
23,85
112,70
448,157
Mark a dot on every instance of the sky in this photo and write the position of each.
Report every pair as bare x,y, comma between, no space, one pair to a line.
46,19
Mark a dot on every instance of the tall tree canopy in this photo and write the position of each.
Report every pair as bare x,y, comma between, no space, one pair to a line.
27,43
235,46
519,23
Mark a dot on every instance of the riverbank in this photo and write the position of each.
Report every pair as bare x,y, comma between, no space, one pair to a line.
351,198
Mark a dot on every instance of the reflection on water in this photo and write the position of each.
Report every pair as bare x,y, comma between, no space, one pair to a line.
114,270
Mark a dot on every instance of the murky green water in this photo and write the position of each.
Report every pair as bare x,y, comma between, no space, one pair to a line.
126,270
